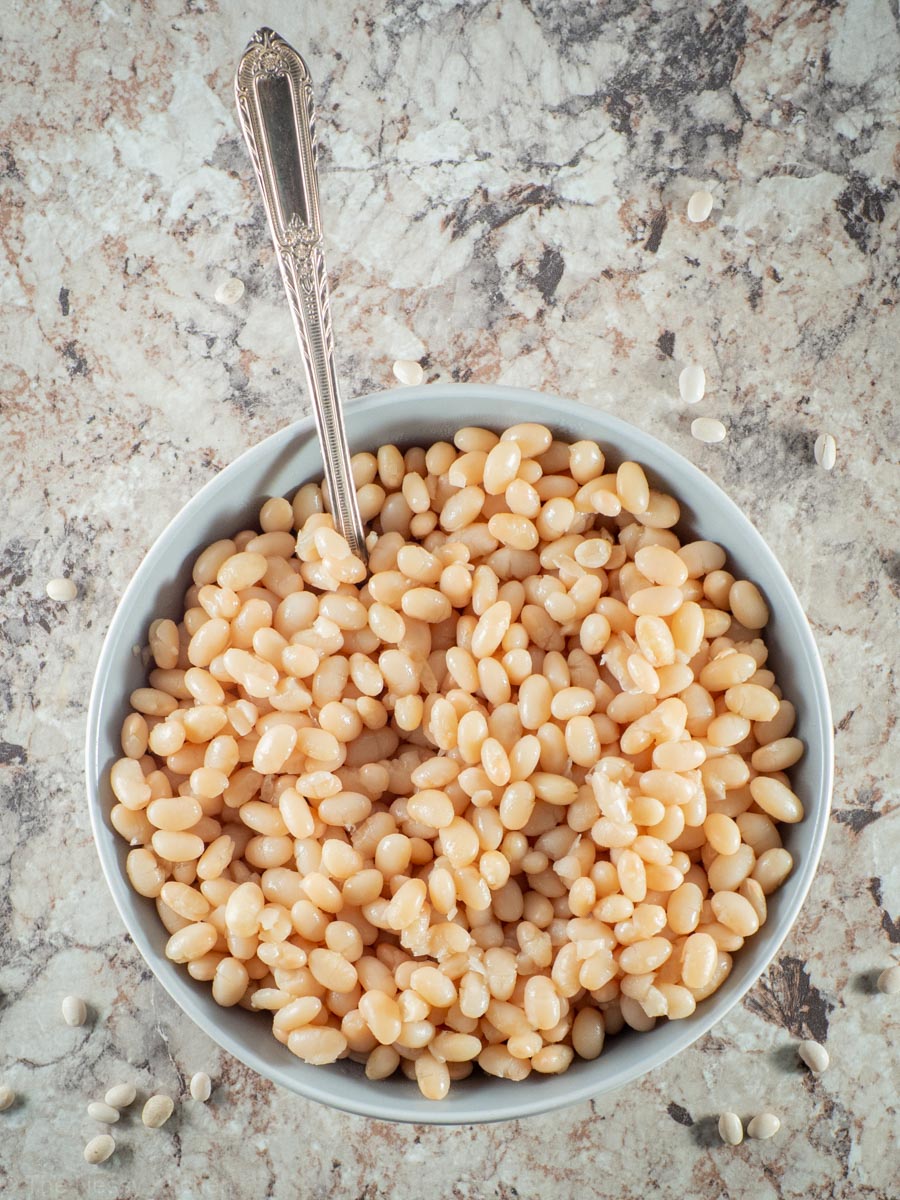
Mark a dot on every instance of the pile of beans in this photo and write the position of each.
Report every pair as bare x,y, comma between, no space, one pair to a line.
517,786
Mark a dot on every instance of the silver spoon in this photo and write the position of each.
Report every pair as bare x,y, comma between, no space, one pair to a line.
274,97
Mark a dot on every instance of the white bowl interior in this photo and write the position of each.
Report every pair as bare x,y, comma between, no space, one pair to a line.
419,416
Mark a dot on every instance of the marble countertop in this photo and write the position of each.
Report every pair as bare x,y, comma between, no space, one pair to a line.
504,188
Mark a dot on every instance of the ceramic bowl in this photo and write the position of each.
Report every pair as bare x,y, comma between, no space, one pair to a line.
419,416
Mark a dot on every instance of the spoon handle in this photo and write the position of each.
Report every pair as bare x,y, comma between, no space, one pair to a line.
274,97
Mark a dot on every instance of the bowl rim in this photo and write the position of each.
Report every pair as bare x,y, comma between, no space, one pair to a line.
419,1110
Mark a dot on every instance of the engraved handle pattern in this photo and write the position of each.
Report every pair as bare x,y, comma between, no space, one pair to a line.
275,104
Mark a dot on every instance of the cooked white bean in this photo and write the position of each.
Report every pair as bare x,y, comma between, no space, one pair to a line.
516,788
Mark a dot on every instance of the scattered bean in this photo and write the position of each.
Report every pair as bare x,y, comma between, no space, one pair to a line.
229,291
105,1113
692,383
708,430
814,1055
201,1086
99,1148
61,590
699,206
889,980
74,1010
763,1126
121,1095
731,1130
825,451
408,372
157,1111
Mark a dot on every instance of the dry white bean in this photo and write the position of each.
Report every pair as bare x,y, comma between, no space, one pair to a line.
889,980
814,1055
74,1010
825,451
692,383
763,1126
106,1113
99,1148
700,205
201,1086
7,1097
121,1095
61,590
708,430
731,1131
408,372
229,291
443,812
157,1110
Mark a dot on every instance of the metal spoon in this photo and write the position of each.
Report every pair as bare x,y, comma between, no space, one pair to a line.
274,97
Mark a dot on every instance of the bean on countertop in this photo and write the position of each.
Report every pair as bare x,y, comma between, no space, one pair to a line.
74,1010
99,1148
814,1055
157,1111
763,1126
98,1111
121,1095
731,1130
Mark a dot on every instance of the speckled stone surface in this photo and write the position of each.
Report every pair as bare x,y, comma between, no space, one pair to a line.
504,189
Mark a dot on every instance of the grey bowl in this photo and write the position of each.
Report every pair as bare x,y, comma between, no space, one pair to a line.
277,466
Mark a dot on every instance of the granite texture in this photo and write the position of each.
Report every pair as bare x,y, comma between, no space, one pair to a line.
504,190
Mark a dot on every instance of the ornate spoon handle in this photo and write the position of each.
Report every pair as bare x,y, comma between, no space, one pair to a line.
274,97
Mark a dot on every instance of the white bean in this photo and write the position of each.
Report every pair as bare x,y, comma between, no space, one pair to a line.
201,1086
708,430
106,1113
763,1126
825,451
157,1111
61,590
229,291
99,1148
7,1097
692,383
74,1010
121,1095
731,1130
700,205
889,980
814,1055
408,372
